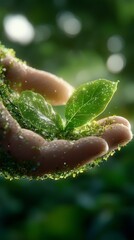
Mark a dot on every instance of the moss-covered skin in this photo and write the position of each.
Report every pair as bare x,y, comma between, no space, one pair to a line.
6,51
12,169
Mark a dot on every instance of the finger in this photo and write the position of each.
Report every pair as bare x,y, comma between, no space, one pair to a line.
114,119
56,156
117,135
23,77
46,157
62,155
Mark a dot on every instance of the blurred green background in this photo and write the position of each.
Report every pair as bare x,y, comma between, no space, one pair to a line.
79,41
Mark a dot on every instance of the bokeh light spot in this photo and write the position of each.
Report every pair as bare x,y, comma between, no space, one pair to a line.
68,23
18,29
115,63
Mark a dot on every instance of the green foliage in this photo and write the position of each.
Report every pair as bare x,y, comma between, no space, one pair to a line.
10,99
88,101
40,114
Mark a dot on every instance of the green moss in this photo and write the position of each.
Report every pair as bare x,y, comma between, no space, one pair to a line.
6,51
10,100
90,129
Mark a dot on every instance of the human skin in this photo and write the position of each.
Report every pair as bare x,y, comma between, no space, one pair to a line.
23,77
57,155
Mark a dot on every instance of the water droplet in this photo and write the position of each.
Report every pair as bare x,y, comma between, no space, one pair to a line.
21,137
112,153
7,118
119,148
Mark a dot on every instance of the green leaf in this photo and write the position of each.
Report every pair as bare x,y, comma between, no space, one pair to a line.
88,101
41,115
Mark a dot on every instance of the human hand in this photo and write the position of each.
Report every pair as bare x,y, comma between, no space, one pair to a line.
23,77
58,155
